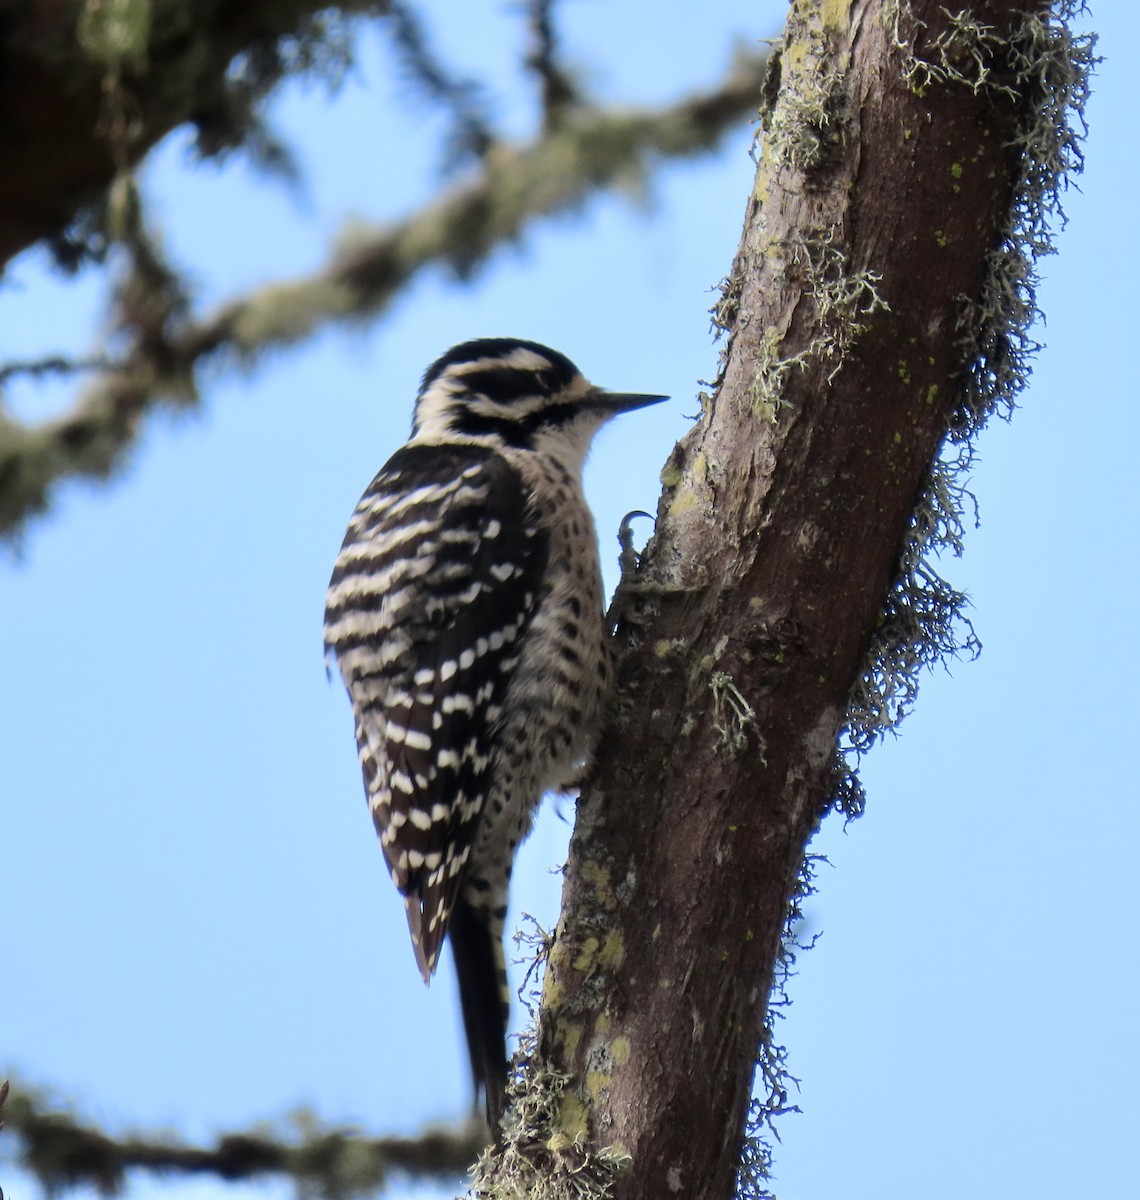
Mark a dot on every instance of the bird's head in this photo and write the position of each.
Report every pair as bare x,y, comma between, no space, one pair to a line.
504,392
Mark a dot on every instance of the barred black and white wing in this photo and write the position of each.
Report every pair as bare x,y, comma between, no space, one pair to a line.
437,580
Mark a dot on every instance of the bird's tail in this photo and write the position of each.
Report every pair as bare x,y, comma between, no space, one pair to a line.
476,936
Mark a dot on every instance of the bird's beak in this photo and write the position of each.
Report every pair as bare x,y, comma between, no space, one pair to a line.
619,402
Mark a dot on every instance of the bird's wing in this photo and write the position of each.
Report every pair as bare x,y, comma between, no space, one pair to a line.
437,580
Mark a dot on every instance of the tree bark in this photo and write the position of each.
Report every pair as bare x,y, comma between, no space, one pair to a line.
881,195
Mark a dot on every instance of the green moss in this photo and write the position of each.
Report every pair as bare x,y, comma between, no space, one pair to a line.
612,951
683,502
583,961
598,877
671,475
836,15
572,1123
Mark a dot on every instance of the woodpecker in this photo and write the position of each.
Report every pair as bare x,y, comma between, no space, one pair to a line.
465,615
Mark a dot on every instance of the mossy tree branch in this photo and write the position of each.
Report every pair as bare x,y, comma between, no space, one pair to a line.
86,96
876,311
64,1152
588,150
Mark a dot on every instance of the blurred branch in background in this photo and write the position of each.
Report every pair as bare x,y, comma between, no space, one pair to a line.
471,134
583,152
559,90
63,1152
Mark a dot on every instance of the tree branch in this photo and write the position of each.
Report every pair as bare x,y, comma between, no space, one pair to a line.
206,64
514,186
63,1152
559,92
471,135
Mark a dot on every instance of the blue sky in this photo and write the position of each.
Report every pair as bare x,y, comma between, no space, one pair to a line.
199,929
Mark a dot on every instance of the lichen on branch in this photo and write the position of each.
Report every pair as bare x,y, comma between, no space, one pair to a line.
62,1151
514,186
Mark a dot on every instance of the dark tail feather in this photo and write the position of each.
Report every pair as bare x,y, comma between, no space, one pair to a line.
479,967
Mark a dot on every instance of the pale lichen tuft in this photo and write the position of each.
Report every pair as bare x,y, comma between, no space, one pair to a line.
844,302
545,1150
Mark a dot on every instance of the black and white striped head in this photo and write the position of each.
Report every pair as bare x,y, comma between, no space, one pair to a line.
507,392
